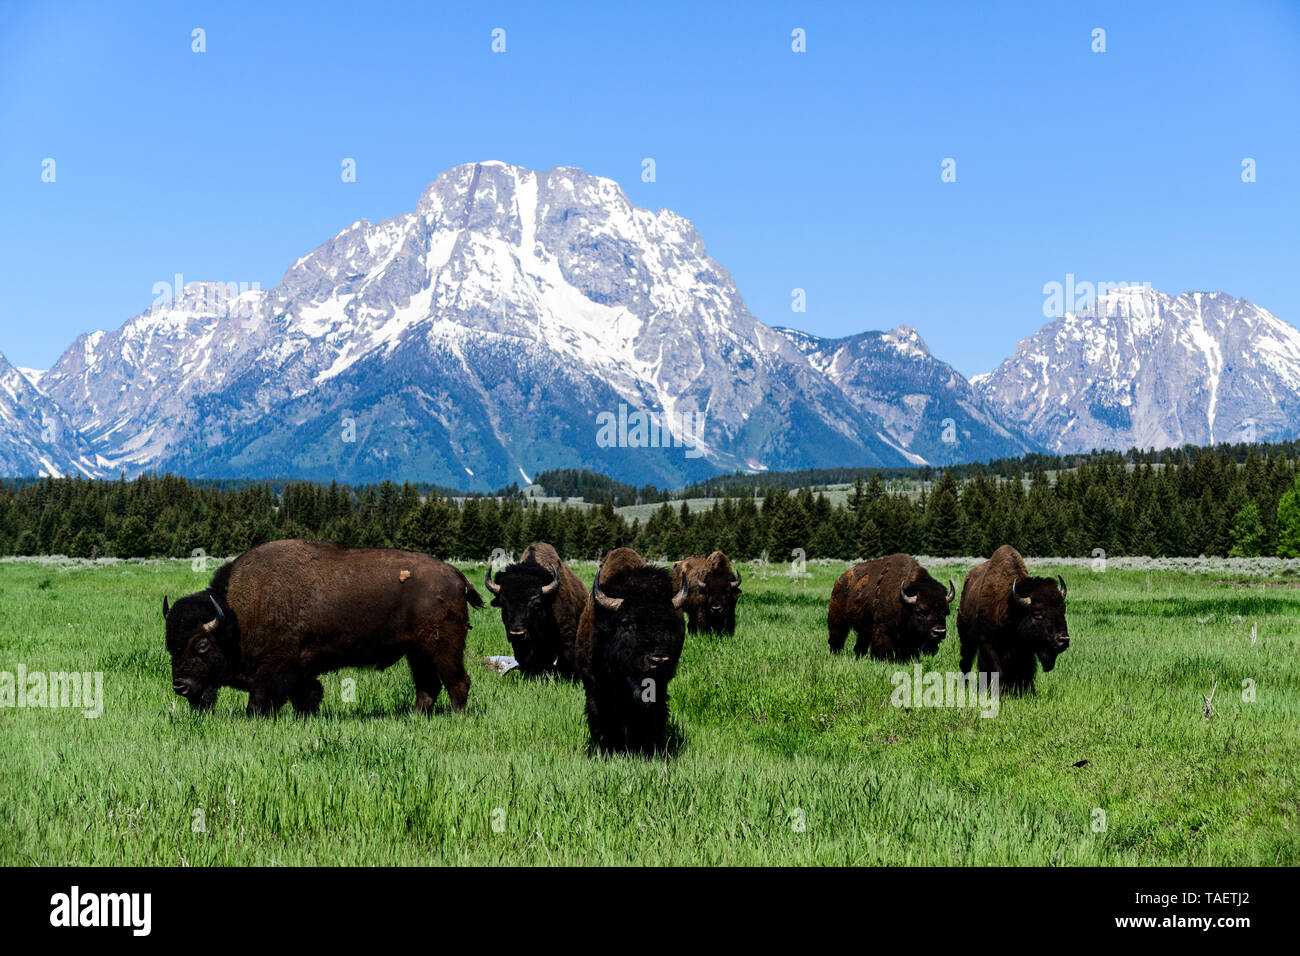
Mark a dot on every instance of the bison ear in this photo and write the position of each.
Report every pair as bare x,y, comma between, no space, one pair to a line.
165,607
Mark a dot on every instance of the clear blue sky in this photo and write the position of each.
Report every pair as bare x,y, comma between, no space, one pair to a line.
818,170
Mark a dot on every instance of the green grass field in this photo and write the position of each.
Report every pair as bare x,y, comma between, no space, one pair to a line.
790,756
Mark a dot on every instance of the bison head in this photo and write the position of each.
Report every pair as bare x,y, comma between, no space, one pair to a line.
203,641
525,593
641,629
714,597
925,605
1040,621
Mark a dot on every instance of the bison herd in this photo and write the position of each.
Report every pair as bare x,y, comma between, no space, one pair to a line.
274,619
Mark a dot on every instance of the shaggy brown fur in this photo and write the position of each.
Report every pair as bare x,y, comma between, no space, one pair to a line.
1011,636
866,599
542,628
627,656
286,611
712,589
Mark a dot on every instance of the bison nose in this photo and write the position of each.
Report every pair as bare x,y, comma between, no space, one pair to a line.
516,634
181,687
658,661
1062,643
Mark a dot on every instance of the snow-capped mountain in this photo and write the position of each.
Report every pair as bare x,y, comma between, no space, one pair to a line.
499,328
1140,368
471,342
928,409
36,435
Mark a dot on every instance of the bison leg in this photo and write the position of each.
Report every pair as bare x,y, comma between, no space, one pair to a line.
646,734
307,695
1017,674
264,700
427,682
451,669
604,725
839,631
968,645
457,681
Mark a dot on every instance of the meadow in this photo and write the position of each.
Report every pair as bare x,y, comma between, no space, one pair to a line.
786,755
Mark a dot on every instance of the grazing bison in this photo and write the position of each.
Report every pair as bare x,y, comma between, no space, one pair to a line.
629,641
280,614
711,592
1012,619
541,601
897,609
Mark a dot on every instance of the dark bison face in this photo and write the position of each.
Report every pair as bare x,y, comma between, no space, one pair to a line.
716,602
200,633
641,629
1041,626
525,596
925,613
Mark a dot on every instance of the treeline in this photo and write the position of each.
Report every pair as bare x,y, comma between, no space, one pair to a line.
1195,502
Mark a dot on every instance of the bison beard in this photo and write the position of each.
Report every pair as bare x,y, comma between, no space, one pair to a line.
712,591
284,612
629,642
1011,620
898,610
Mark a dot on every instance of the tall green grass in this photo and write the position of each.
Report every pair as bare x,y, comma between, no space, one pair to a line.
790,756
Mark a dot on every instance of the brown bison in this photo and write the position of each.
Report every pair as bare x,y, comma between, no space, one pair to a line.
711,592
541,601
629,642
897,609
1012,620
280,614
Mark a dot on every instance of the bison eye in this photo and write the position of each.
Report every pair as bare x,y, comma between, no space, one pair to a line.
203,646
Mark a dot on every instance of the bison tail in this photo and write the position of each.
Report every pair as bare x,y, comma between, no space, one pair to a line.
472,595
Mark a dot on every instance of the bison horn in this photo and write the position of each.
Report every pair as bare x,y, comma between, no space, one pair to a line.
903,594
680,599
952,591
554,585
165,607
216,622
608,603
1022,600
736,583
1062,583
487,580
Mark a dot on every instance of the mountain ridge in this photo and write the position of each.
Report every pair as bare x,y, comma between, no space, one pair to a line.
478,339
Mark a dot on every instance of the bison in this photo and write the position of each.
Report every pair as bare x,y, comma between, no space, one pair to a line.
711,592
277,616
629,642
1012,620
897,609
541,601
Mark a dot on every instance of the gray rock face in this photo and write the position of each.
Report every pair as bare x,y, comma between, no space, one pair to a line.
496,330
1145,369
925,405
473,342
36,435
